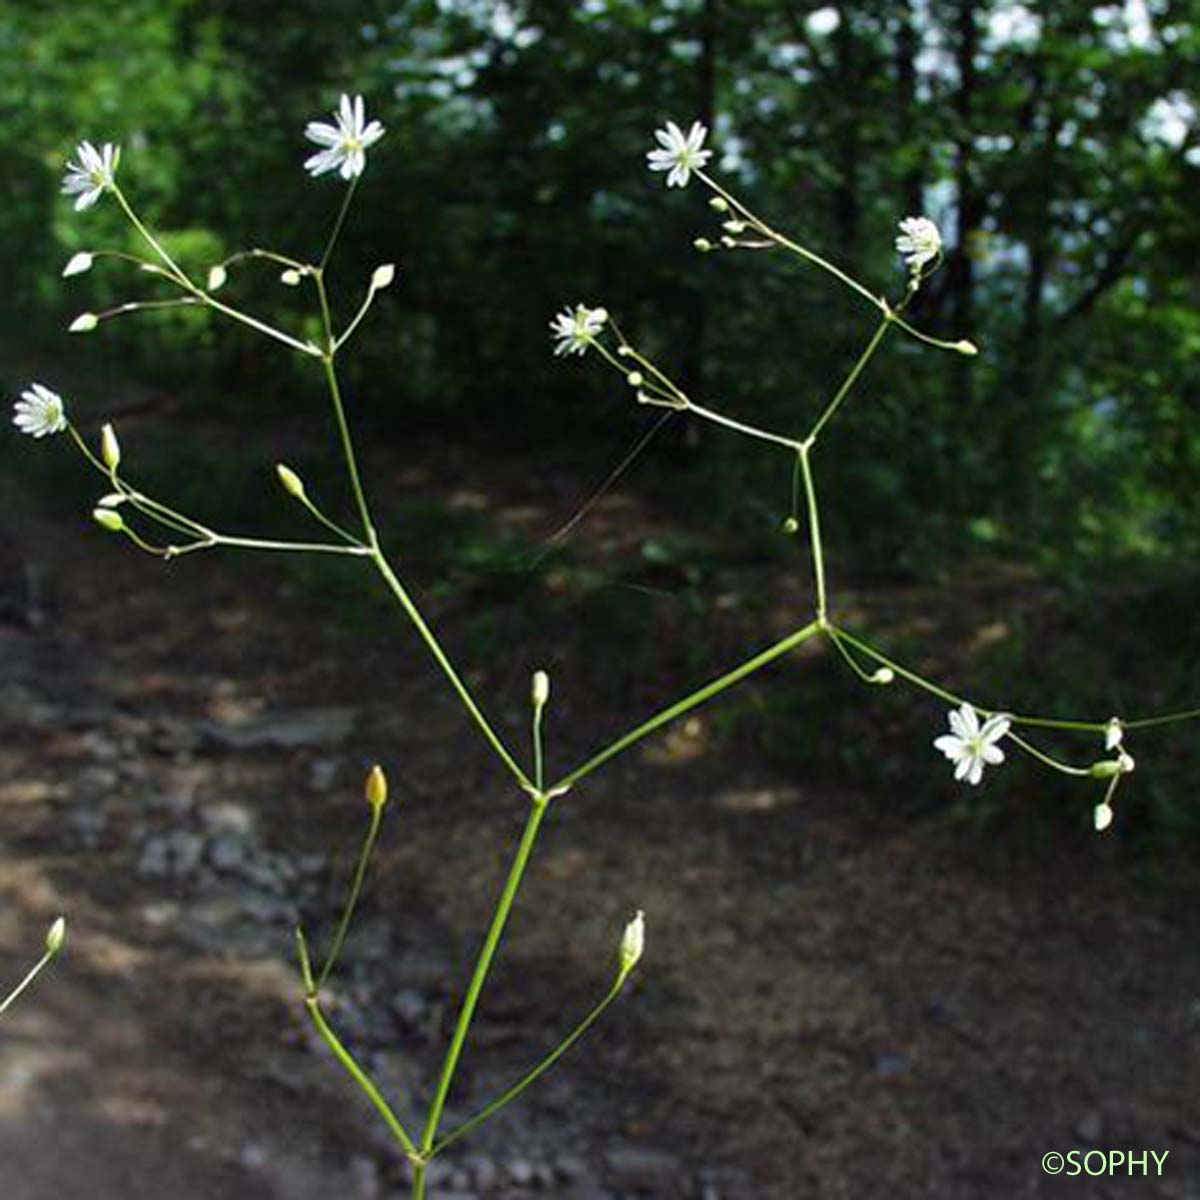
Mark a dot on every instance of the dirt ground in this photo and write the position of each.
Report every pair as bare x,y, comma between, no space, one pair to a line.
836,1001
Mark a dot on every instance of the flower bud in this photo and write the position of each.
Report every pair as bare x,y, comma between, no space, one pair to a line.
84,323
1125,762
883,675
292,482
635,379
377,788
540,692
56,935
110,448
78,264
290,277
703,245
719,204
791,525
216,277
110,500
1102,816
1113,733
624,351
382,277
633,942
728,242
734,226
967,348
109,519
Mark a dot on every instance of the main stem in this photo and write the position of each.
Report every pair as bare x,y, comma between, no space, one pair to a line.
499,919
814,529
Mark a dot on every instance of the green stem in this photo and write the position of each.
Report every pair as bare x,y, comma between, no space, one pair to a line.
689,702
360,873
339,410
538,1071
427,636
814,530
359,1076
482,966
40,966
539,779
338,223
850,379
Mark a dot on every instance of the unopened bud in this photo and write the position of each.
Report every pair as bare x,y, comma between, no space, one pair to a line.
540,692
1113,733
110,500
965,347
1102,816
728,242
703,245
624,351
292,482
382,277
78,264
377,788
883,675
84,323
216,277
734,226
633,942
1125,762
110,448
290,277
56,935
719,204
635,379
791,525
109,519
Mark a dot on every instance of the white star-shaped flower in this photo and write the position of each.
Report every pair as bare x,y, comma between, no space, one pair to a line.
39,412
919,242
345,143
91,173
970,746
576,329
679,153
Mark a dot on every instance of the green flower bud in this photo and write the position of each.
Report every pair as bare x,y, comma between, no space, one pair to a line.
109,519
110,448
84,323
292,482
56,935
703,245
540,692
633,942
967,348
719,204
216,277
78,264
376,788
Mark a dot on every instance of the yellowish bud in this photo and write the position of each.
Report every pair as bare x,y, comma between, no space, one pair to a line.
1102,816
703,245
633,942
377,788
719,204
884,675
965,347
541,689
56,935
382,277
292,482
109,519
84,323
290,277
110,448
216,277
635,379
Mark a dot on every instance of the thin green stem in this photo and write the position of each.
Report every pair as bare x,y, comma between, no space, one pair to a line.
850,379
360,873
836,638
539,774
360,1077
753,431
537,1072
338,223
814,530
1049,761
343,426
176,271
358,551
482,966
332,526
689,702
37,969
427,636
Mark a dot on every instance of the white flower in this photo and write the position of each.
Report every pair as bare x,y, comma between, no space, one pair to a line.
576,328
39,412
679,153
88,177
633,942
971,747
345,143
919,242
